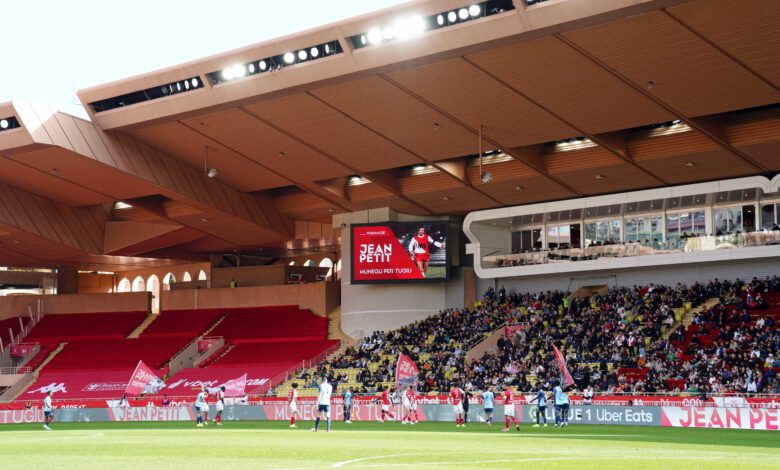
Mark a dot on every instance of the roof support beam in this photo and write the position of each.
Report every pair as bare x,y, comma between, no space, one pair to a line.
721,141
594,137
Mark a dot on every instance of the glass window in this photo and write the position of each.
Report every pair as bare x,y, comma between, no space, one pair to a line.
699,223
632,229
526,240
767,216
558,236
728,220
605,231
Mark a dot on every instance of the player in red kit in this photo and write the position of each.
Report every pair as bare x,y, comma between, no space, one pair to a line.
386,404
292,402
456,398
509,409
418,248
413,403
220,396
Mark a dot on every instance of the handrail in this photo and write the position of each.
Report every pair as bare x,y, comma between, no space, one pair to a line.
15,370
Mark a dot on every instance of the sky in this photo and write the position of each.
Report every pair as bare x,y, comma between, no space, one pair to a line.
50,48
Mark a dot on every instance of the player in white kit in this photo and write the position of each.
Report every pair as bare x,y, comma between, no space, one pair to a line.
323,403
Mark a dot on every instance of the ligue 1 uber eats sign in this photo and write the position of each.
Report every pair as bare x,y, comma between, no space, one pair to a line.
399,252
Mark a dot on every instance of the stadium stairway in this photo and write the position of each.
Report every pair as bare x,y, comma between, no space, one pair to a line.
214,325
687,318
144,324
334,332
48,358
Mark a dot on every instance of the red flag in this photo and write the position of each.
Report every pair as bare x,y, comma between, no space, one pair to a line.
143,381
567,380
406,372
236,387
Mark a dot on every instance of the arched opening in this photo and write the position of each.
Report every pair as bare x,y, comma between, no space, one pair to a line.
124,285
186,277
168,280
202,275
139,285
327,263
309,262
153,286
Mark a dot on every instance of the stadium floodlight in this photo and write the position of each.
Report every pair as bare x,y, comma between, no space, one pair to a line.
227,74
211,172
374,36
178,86
263,65
239,70
186,85
388,33
302,55
327,46
463,13
4,124
474,10
251,68
452,17
288,58
440,20
409,27
194,82
314,52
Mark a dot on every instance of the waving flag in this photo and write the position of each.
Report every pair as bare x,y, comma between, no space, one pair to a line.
406,372
236,387
565,375
143,381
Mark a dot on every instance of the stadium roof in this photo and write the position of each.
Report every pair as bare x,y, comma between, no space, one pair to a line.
570,98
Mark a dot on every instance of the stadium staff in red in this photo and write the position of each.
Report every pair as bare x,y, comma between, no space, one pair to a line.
418,248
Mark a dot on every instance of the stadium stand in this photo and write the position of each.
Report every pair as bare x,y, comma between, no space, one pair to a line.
629,340
88,355
277,323
182,322
56,328
285,353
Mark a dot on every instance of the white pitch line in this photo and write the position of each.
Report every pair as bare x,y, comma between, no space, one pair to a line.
60,438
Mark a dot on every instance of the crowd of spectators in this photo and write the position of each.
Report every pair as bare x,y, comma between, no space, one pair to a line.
728,348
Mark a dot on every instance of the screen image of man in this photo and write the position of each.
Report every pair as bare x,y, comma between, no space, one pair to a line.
420,251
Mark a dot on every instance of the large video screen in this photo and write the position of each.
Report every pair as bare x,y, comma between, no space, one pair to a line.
400,252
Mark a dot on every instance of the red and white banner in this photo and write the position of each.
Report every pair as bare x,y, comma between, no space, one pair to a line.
143,381
189,382
726,418
377,255
152,413
236,387
567,380
406,372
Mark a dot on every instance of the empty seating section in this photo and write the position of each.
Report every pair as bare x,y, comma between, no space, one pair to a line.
115,354
12,324
54,328
182,322
288,354
267,323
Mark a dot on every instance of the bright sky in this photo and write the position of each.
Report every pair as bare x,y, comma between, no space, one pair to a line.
50,48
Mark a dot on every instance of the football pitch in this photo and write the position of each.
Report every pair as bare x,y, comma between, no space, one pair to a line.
364,445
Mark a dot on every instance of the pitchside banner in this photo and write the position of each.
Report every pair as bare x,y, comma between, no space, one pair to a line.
399,251
724,418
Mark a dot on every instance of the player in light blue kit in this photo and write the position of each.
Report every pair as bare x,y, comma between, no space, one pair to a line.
323,403
200,404
541,407
561,407
487,402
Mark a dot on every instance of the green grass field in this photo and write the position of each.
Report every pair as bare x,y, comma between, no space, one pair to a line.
270,444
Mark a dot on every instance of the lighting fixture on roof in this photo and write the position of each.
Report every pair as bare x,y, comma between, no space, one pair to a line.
519,188
211,172
690,163
577,143
599,176
413,25
487,177
314,52
119,205
204,219
288,58
447,198
281,154
8,123
330,209
303,55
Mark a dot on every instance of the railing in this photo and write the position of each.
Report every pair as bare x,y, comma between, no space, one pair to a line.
35,311
691,244
15,370
289,373
210,350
